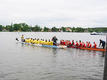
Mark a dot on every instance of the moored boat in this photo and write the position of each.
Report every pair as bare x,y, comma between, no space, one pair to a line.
94,33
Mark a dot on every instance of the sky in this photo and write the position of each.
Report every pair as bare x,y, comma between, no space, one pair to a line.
67,13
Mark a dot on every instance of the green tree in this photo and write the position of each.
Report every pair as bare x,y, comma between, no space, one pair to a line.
63,29
9,28
46,29
54,29
24,27
36,28
90,30
73,29
16,27
79,29
1,27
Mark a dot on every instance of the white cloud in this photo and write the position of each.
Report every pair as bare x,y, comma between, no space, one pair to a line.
54,12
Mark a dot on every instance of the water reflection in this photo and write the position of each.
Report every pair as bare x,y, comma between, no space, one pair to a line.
103,54
54,50
22,44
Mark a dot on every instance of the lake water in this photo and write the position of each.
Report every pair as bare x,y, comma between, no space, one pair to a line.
22,62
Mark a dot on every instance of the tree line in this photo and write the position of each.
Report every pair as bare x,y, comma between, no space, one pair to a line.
23,27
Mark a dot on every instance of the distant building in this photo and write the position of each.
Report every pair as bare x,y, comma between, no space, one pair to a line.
60,30
68,29
4,30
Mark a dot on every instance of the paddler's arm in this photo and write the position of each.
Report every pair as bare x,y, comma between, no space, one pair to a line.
100,43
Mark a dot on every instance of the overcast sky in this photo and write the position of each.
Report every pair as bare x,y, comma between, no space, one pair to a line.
85,13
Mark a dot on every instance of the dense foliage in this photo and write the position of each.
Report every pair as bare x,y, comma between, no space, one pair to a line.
26,28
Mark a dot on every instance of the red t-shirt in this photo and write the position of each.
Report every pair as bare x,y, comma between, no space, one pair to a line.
84,45
69,43
63,43
95,46
88,45
73,43
80,44
77,44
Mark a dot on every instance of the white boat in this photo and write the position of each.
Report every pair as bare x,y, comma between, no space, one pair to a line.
94,33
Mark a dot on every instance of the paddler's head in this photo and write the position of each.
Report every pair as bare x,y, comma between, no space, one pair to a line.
100,40
46,40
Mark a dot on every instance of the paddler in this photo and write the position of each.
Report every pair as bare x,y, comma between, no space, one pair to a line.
35,41
49,42
22,38
43,42
102,43
90,45
84,45
95,45
61,42
73,43
31,41
77,45
46,42
68,43
80,43
54,39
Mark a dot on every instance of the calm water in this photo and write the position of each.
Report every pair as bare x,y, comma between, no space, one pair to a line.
20,62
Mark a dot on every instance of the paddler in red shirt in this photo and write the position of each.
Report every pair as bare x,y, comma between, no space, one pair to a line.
76,44
95,45
73,43
80,43
90,46
61,41
87,44
84,45
69,42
